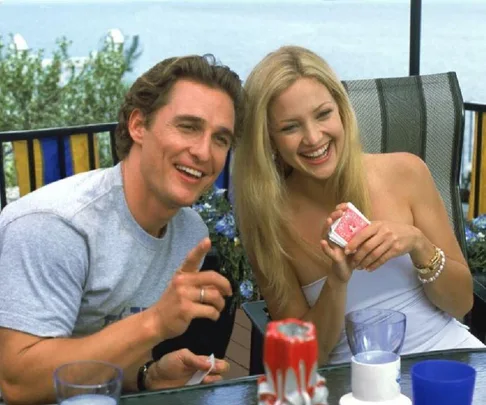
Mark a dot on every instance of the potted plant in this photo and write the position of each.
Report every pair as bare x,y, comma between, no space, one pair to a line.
217,212
476,244
228,258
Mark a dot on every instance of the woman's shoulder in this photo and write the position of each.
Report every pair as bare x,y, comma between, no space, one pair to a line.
401,166
402,176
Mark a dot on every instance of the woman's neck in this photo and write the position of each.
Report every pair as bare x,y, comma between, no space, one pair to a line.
311,191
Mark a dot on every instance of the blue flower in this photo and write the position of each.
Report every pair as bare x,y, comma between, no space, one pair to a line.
470,235
198,207
246,289
219,192
226,226
216,211
203,208
479,223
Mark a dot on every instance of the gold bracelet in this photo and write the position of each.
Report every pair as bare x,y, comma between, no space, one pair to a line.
433,265
437,272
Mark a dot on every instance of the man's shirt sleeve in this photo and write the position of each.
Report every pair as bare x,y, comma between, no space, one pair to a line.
43,268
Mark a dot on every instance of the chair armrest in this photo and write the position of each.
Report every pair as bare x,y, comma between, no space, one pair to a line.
479,285
257,312
476,318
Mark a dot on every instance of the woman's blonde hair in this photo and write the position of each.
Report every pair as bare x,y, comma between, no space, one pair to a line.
259,183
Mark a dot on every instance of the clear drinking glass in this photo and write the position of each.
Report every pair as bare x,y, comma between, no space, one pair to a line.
88,383
375,330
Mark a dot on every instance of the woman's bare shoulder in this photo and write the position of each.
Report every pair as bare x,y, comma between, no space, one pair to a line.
398,176
401,166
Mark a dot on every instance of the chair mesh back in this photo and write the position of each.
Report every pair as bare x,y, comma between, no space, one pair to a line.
417,114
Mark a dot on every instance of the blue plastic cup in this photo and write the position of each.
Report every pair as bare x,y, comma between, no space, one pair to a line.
443,382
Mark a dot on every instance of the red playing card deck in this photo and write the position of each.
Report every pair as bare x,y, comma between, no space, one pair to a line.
344,228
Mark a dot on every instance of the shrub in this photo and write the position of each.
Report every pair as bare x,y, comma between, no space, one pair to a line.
476,244
217,212
36,92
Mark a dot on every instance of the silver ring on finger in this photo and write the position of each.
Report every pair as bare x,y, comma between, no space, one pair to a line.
201,295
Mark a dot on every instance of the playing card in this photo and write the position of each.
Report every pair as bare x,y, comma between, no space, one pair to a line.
200,374
337,239
344,228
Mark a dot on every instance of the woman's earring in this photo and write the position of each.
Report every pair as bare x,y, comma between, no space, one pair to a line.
274,156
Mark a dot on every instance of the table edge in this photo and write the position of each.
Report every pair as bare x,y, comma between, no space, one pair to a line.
323,369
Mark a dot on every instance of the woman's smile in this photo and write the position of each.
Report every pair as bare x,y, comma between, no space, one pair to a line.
318,156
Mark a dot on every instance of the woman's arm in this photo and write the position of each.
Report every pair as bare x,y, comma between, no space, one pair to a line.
425,226
327,314
452,291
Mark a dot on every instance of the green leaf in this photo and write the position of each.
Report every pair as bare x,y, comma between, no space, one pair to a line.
47,91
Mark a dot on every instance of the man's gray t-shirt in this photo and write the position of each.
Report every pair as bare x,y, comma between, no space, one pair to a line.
73,259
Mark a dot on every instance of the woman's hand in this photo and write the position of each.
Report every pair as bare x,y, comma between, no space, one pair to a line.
176,368
381,241
342,266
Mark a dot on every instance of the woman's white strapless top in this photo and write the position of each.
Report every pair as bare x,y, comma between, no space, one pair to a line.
395,286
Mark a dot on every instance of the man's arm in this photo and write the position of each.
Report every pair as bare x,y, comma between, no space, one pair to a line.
40,296
45,264
29,361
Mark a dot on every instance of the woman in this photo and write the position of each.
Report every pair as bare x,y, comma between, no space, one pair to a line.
297,164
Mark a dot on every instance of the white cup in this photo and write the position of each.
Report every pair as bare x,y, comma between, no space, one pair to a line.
375,376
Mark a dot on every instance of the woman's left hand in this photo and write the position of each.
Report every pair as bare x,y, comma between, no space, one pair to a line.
379,242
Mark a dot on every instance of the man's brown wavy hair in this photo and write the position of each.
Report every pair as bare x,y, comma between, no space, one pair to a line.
152,90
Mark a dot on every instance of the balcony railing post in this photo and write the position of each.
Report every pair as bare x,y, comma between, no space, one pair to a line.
3,191
479,148
31,160
29,153
61,157
477,205
415,29
91,150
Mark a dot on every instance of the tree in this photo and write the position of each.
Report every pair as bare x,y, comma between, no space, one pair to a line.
36,92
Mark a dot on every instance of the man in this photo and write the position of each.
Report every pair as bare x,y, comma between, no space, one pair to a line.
103,265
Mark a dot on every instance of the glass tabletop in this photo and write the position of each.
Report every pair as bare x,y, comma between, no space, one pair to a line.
244,390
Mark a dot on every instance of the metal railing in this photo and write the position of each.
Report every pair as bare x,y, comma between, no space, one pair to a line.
59,134
473,146
475,115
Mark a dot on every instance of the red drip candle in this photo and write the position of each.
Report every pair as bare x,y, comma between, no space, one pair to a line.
290,360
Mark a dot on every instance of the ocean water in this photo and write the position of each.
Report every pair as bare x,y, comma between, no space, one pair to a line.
359,38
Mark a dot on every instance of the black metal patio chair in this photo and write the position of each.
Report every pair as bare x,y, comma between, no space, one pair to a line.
423,115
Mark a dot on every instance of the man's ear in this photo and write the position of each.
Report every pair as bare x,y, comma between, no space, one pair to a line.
136,126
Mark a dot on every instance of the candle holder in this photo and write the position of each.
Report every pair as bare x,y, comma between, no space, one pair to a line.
290,362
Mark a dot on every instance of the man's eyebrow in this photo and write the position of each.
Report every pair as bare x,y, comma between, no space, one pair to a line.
225,131
188,117
198,120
